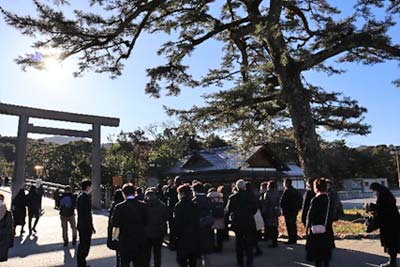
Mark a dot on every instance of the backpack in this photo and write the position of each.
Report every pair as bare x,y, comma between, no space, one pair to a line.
66,202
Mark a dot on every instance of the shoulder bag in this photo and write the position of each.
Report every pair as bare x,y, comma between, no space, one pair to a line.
319,228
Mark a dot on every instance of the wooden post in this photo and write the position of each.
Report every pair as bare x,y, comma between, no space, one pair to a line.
96,168
18,180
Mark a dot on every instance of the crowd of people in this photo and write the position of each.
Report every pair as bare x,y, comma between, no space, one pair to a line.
197,218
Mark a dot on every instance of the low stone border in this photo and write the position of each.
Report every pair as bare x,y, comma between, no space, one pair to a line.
344,236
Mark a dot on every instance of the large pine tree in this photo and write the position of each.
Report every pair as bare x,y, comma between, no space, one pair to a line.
275,40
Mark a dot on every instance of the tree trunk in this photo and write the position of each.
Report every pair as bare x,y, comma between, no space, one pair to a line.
307,146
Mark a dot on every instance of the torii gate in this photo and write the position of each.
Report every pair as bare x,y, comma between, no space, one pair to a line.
24,128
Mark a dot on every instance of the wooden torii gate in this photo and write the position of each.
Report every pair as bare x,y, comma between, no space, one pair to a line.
24,128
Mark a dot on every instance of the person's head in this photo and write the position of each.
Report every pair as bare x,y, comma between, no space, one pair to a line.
241,185
159,188
1,199
287,183
320,185
198,188
177,181
309,183
128,190
86,186
32,189
67,189
329,183
150,194
271,185
118,196
263,187
378,188
184,191
139,191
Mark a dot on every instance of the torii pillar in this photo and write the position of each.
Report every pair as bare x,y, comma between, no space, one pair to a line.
18,180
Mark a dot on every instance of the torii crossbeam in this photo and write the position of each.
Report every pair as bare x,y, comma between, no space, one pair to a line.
24,128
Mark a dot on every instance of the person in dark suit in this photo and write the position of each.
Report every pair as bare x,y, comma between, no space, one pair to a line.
85,222
242,205
156,228
33,200
291,202
129,220
187,228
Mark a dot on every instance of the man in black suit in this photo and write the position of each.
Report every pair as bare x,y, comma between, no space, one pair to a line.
291,202
242,205
129,221
85,222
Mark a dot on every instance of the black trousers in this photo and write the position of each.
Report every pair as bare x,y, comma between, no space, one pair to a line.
154,245
245,242
126,261
85,238
219,236
291,226
272,233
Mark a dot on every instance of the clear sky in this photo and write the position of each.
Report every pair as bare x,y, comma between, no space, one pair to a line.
124,97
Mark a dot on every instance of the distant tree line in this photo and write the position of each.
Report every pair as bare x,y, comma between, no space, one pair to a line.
152,151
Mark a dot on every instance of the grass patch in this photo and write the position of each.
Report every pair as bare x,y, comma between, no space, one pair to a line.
352,223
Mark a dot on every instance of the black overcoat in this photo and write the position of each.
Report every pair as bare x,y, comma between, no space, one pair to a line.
187,227
319,246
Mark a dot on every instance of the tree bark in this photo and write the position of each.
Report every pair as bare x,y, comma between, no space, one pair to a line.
306,140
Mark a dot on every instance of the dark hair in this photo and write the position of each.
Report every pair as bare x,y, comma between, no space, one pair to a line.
2,196
177,180
271,184
320,184
85,184
377,187
185,189
32,189
67,188
128,189
199,188
264,184
139,191
288,181
118,196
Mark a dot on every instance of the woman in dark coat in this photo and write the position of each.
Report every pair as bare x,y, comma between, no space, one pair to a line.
33,200
186,226
319,245
6,230
389,221
118,198
18,208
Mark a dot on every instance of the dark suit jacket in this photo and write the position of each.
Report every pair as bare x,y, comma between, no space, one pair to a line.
84,208
242,206
130,216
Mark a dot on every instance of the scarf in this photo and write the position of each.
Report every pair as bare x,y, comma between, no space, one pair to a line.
3,210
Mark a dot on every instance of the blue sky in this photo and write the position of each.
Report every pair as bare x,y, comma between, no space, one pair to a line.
124,97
